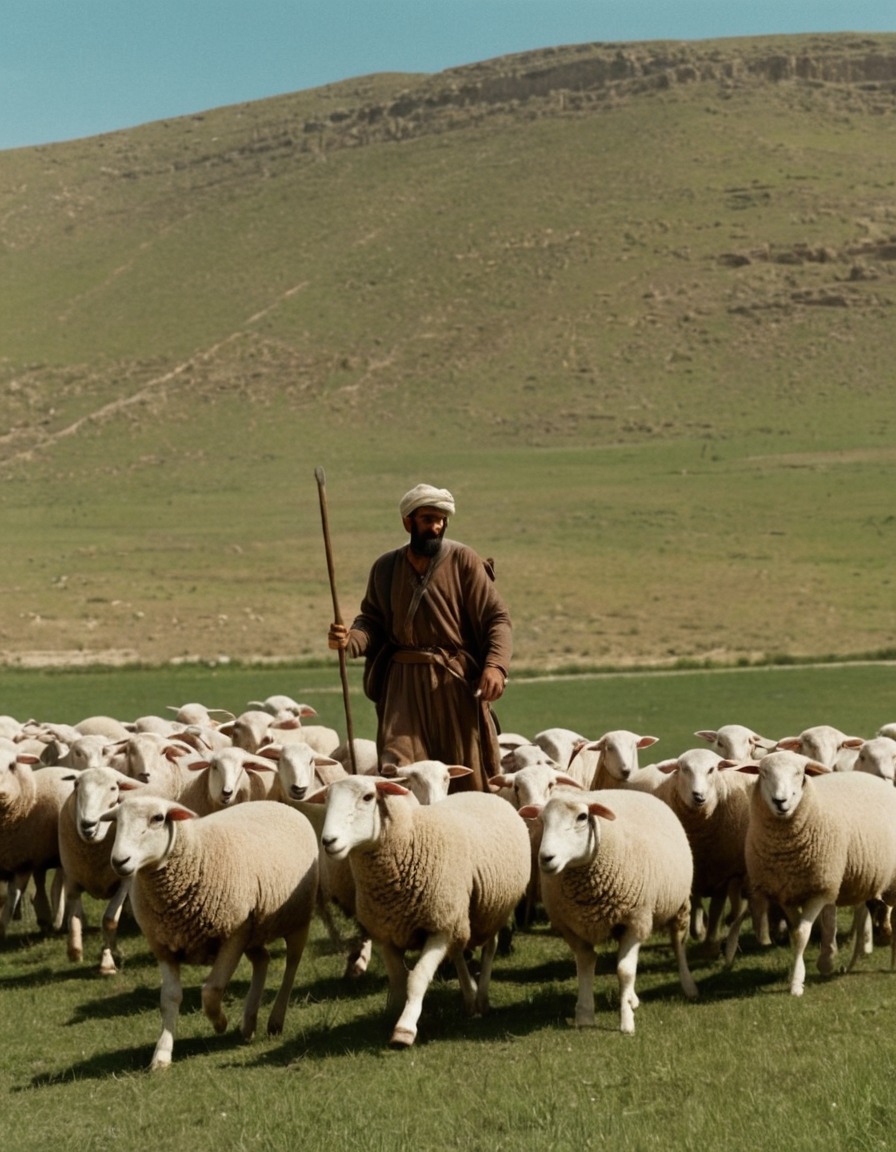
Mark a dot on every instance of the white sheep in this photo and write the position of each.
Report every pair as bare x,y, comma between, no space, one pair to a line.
736,742
817,839
571,751
713,806
287,717
227,777
30,802
617,761
825,745
887,730
878,757
215,889
622,870
84,850
438,878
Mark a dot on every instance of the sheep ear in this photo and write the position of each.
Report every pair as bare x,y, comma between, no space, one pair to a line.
529,811
390,788
289,725
306,710
500,781
707,734
813,768
255,765
852,742
667,766
569,781
318,797
126,784
723,765
198,765
647,741
27,758
788,744
600,810
270,751
749,769
456,771
177,812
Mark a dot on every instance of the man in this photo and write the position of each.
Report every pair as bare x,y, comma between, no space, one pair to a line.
436,636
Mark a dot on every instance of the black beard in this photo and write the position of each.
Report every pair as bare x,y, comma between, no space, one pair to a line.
424,544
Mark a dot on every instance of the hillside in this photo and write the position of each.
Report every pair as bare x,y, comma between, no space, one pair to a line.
633,303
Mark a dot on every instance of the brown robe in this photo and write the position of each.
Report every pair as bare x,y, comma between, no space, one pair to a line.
427,640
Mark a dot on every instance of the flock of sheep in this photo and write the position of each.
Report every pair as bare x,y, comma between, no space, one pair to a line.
225,833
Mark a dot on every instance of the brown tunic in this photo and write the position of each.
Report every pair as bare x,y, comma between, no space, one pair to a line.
427,640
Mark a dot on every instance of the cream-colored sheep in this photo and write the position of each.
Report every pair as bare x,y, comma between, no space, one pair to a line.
621,869
214,889
736,742
438,878
84,849
617,761
825,745
819,839
30,802
713,806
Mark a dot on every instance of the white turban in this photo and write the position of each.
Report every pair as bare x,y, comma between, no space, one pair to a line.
425,496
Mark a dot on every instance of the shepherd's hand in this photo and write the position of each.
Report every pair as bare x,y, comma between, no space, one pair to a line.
337,637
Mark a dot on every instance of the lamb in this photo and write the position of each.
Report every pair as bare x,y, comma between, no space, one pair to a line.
30,802
626,871
825,745
439,878
84,850
214,889
736,742
817,839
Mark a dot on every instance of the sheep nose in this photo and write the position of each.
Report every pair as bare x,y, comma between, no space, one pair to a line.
297,792
699,798
89,829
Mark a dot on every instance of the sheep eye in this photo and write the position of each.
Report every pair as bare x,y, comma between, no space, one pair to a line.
156,820
582,818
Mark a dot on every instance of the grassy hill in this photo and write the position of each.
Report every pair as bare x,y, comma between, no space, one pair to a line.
632,303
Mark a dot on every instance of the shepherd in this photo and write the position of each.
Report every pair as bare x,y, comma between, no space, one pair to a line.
436,636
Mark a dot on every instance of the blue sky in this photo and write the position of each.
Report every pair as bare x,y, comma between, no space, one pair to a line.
72,68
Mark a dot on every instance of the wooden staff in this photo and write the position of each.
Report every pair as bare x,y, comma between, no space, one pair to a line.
337,615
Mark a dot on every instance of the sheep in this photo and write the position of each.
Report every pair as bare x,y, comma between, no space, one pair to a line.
287,716
624,870
186,714
366,756
816,839
617,760
532,783
735,742
214,889
84,850
106,726
228,776
878,757
30,802
713,806
825,745
438,878
887,730
571,751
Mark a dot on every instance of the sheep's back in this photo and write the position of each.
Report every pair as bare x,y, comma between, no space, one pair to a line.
255,864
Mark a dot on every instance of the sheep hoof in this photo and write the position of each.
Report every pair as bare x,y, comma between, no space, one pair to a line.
402,1038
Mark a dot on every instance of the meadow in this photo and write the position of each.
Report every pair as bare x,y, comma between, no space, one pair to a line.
633,305
746,1066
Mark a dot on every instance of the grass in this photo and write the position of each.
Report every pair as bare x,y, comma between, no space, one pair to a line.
77,1048
74,1048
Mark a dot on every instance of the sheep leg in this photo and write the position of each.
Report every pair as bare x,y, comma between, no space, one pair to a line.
678,930
626,969
468,988
828,953
111,918
260,959
861,922
419,979
74,916
711,946
359,957
586,962
169,1005
800,932
40,901
486,961
217,980
295,946
57,900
